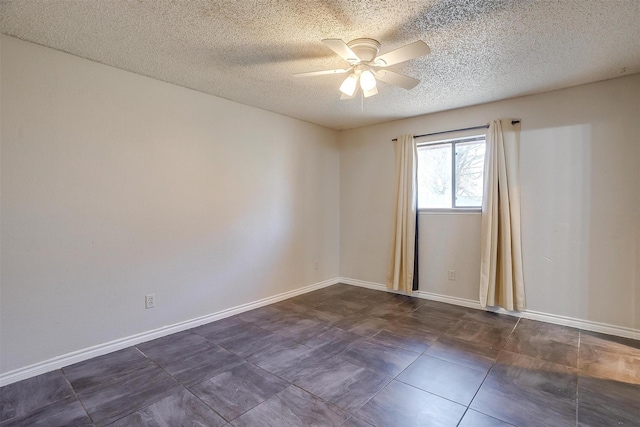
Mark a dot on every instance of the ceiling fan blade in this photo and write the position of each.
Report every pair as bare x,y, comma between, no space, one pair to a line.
321,73
341,48
405,53
371,92
397,79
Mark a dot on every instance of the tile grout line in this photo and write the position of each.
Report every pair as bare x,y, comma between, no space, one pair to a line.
467,407
289,383
418,388
351,414
179,383
75,394
477,391
330,324
360,337
188,389
487,375
245,360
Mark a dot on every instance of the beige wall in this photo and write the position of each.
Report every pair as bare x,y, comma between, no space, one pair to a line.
580,175
115,186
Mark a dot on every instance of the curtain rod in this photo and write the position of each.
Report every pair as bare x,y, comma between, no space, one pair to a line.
513,122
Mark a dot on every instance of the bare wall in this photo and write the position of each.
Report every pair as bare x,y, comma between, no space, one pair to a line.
580,175
115,185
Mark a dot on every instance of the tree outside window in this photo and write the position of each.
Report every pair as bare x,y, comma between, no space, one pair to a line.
452,166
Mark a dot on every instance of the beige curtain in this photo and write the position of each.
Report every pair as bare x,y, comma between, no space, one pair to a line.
401,266
501,278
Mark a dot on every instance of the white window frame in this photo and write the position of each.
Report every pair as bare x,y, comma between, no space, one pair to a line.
452,142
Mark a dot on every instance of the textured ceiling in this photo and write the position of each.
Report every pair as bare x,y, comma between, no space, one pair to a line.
247,50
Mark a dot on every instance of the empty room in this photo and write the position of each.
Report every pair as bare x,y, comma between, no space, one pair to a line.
320,213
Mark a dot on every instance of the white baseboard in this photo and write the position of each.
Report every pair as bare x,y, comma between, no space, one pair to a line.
587,325
362,284
100,349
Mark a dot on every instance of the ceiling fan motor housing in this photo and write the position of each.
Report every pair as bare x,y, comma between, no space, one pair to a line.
366,49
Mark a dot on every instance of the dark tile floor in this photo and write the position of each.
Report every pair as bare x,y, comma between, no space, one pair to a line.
346,356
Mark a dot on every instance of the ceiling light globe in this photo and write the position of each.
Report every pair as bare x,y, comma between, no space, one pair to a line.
348,86
367,80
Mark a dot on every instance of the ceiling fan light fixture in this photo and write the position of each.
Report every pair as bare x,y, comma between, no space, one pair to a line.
368,93
367,80
348,86
365,63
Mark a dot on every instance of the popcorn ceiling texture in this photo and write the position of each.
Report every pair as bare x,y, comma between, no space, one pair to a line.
246,51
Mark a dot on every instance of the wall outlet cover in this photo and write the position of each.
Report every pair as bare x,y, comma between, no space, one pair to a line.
150,301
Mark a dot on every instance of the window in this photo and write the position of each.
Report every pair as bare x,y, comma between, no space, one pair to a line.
450,173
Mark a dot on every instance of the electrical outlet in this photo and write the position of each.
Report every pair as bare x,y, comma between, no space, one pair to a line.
150,301
452,275
316,265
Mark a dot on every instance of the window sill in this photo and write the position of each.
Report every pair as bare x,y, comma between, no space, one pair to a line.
456,211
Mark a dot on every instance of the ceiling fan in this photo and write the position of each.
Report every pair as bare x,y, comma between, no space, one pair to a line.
366,66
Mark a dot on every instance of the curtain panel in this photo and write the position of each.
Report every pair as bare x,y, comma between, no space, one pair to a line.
501,277
402,265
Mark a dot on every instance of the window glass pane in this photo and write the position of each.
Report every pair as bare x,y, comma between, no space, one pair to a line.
469,173
434,176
